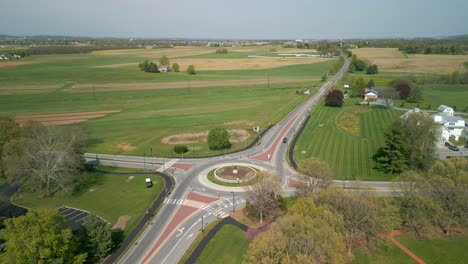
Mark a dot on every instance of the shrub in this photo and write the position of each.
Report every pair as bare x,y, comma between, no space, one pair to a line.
403,87
222,51
180,149
218,138
191,69
372,69
334,98
175,67
148,66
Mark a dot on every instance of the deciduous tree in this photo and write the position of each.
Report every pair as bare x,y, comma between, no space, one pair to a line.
164,61
191,70
50,156
335,98
9,130
40,236
316,173
308,233
364,215
218,138
263,194
175,67
448,187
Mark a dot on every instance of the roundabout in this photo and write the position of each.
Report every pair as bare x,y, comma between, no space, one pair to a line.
223,177
235,174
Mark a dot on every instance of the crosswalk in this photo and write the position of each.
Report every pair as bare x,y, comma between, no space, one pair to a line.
174,201
167,165
212,210
220,207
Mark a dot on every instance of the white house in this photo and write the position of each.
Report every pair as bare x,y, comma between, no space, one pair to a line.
370,94
446,110
451,127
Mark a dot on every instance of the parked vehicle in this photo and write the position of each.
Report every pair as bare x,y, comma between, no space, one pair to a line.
466,146
285,140
447,144
454,148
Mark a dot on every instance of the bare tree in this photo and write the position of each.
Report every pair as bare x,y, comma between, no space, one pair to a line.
316,173
263,194
49,155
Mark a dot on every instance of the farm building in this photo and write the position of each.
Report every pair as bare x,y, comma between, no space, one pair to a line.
370,94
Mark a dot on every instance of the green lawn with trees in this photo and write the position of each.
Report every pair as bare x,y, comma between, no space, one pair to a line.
348,148
228,246
384,253
438,249
106,195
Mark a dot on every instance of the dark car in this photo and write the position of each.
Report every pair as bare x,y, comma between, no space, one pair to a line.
285,140
466,146
447,144
454,148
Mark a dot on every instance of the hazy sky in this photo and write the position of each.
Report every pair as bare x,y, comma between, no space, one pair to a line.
251,19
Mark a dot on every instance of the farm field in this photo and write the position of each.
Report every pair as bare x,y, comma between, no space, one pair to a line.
392,60
128,111
109,196
347,146
228,246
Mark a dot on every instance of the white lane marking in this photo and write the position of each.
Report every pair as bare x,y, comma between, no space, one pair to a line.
181,231
191,235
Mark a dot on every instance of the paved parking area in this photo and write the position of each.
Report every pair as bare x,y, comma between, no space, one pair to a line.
75,217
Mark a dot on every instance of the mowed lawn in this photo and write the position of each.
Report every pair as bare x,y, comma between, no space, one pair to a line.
385,252
228,246
349,153
438,250
111,196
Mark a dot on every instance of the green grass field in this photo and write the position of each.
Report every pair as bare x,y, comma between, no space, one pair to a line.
228,246
197,241
349,155
146,117
384,253
438,250
112,196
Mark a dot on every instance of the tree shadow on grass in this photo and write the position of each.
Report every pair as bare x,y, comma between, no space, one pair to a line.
85,181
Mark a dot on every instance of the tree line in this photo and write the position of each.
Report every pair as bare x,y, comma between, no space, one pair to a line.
42,236
325,223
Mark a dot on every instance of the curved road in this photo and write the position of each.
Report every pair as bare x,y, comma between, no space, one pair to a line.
194,201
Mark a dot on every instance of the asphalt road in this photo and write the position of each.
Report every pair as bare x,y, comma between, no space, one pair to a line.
270,154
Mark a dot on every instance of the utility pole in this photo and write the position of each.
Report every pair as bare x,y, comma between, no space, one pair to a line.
233,202
268,81
202,223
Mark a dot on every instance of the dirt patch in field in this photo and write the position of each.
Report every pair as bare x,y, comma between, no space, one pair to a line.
121,222
236,135
16,63
108,87
126,147
241,123
63,118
